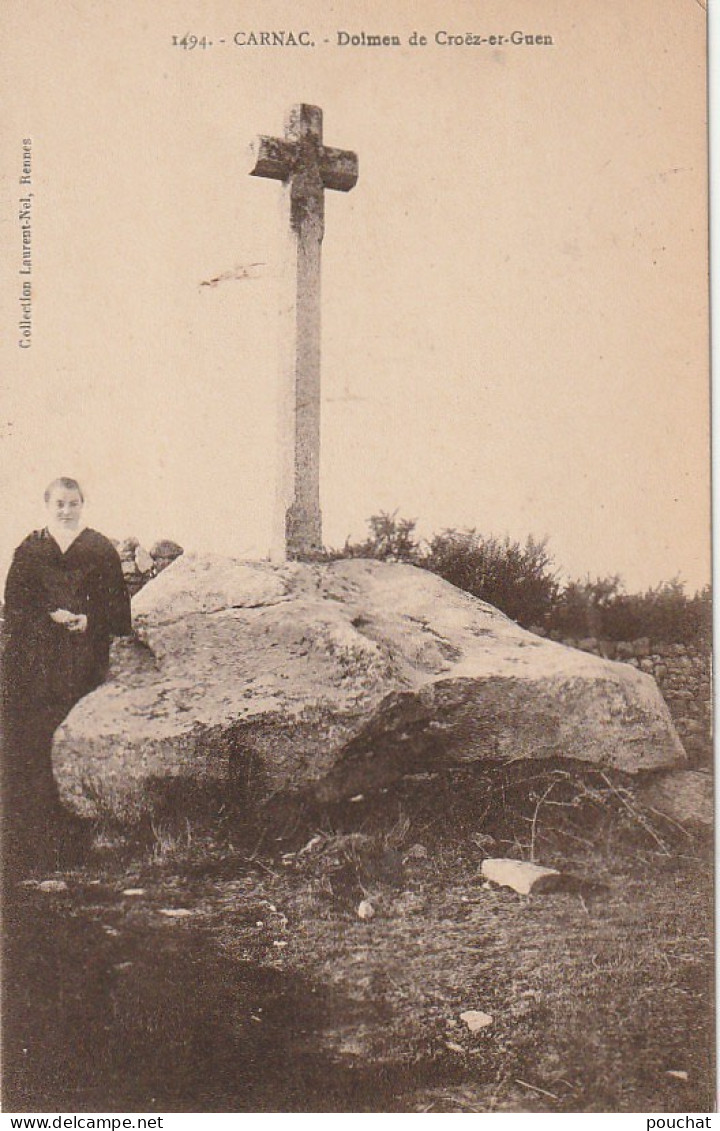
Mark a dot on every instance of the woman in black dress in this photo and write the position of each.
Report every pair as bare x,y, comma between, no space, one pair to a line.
65,598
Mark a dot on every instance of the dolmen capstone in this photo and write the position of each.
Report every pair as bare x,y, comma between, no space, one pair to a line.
340,678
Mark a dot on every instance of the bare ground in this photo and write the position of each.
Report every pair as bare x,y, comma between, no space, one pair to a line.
213,963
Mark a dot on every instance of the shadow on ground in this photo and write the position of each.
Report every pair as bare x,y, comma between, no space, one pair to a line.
199,964
100,1020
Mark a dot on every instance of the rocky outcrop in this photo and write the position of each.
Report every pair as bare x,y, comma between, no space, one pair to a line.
685,796
340,678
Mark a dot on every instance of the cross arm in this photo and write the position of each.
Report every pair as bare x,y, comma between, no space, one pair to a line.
271,157
338,168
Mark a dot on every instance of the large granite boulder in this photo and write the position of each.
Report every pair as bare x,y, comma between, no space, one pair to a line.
684,796
341,677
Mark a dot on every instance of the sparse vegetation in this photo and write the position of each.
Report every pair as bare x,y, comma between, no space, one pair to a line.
214,967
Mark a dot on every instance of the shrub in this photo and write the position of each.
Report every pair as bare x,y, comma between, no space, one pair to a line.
581,606
662,613
390,539
518,579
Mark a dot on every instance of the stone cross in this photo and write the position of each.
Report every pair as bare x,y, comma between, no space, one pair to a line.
306,167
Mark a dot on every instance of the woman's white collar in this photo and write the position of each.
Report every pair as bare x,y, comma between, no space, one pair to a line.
64,538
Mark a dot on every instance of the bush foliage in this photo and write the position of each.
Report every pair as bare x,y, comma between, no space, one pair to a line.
603,608
521,579
390,539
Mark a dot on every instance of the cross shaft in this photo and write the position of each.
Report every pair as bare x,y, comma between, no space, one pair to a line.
306,168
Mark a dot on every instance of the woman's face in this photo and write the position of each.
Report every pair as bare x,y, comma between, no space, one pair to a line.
65,507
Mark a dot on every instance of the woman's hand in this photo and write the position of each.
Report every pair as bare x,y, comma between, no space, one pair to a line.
73,622
61,616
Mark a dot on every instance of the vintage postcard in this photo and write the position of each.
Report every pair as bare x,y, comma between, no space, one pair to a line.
355,553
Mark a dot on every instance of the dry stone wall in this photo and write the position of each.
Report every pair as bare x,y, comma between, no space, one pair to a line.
140,565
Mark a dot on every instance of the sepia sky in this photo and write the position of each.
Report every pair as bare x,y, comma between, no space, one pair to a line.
515,324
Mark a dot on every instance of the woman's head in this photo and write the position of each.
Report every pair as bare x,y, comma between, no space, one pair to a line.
64,501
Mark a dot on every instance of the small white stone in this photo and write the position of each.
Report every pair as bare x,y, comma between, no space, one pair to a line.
519,875
454,1047
365,909
475,1019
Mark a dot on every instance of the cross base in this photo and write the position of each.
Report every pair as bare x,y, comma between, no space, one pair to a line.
303,531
